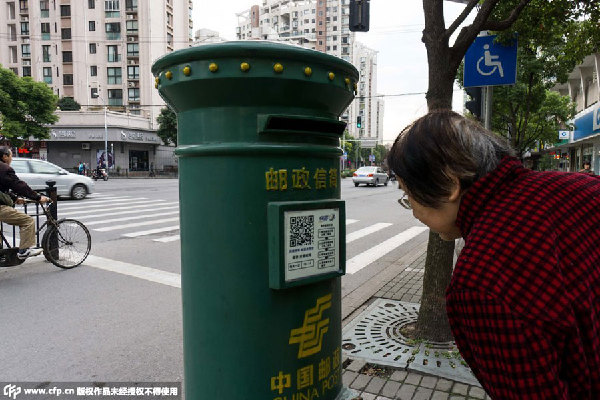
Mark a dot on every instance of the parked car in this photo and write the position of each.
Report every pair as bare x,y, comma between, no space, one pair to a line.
370,176
36,172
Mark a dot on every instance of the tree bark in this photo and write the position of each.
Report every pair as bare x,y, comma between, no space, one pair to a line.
432,322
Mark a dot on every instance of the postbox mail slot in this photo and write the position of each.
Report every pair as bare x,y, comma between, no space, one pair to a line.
298,124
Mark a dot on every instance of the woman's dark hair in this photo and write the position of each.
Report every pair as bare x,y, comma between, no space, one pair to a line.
439,146
5,151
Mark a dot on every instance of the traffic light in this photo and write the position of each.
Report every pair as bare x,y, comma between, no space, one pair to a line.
359,122
359,15
474,105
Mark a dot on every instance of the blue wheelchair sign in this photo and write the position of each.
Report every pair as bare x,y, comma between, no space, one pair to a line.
490,64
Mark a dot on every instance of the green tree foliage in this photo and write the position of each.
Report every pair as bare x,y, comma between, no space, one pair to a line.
167,126
26,107
68,104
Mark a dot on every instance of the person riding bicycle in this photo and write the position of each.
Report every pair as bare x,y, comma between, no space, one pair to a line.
26,224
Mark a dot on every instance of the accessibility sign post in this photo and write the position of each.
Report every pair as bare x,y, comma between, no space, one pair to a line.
490,64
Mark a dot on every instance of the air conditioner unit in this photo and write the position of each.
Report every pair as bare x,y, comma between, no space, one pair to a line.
131,38
85,146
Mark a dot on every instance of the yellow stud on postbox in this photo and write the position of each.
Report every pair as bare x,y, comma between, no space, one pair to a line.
308,71
169,75
187,70
347,80
331,75
213,67
244,66
278,68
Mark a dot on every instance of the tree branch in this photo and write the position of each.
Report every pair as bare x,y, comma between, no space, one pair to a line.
505,24
461,18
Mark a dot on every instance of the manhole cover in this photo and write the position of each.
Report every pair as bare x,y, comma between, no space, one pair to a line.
375,336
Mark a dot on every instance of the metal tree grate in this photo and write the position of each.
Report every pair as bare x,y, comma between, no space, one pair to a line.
375,336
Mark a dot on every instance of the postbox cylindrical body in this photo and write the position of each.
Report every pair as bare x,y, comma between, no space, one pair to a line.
262,235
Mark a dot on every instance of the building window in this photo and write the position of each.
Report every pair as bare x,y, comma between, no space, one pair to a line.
92,48
26,50
65,33
115,97
131,5
133,94
24,28
113,30
26,71
132,27
169,39
68,79
47,71
46,53
133,49
67,56
113,54
114,76
65,10
133,72
23,7
92,26
111,8
91,4
93,70
94,93
45,8
45,30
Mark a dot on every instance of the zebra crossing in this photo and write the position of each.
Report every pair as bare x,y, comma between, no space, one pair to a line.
158,221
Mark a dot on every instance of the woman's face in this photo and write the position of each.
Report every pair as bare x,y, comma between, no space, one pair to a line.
441,220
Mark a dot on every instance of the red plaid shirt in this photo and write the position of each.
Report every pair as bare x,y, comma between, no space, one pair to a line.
524,300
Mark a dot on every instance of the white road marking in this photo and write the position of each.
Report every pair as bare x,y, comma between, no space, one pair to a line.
350,237
151,231
167,239
350,221
136,224
365,258
140,209
82,212
137,271
106,221
69,205
101,207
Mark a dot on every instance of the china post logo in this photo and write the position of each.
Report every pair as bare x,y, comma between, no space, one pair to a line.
12,391
596,118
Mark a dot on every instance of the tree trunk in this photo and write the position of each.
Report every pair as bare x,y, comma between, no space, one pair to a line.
432,323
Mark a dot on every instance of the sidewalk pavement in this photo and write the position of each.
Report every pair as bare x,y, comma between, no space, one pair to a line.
400,279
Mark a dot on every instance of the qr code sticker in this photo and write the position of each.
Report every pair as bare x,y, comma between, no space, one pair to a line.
301,230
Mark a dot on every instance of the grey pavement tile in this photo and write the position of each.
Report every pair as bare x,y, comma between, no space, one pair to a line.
413,379
406,392
360,382
477,392
460,388
456,397
375,385
399,375
383,398
390,388
348,377
439,395
429,381
356,365
422,394
444,385
368,396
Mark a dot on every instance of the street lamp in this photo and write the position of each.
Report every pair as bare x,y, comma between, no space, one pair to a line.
97,95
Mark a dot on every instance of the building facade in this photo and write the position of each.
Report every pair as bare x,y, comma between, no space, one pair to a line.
323,25
583,143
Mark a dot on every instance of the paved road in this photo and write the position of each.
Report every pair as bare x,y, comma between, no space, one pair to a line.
118,318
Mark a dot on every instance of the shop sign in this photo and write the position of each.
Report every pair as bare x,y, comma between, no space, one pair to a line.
63,134
588,124
138,136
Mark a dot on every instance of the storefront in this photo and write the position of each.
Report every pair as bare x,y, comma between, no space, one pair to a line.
133,147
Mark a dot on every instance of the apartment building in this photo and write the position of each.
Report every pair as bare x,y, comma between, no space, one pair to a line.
99,52
322,25
583,143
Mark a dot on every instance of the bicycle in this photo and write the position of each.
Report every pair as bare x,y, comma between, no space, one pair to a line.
66,242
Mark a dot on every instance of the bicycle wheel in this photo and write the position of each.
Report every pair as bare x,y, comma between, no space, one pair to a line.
66,244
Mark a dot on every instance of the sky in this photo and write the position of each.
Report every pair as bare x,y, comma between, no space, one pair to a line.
395,32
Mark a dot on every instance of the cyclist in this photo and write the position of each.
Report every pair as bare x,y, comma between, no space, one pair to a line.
10,181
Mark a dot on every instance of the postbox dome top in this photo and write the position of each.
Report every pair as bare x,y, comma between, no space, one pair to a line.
251,49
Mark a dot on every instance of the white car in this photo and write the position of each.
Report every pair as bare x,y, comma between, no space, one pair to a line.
370,176
36,172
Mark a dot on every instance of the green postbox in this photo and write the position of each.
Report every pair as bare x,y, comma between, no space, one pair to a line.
262,223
